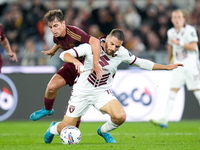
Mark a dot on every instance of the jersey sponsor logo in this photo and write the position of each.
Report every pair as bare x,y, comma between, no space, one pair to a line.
71,108
8,97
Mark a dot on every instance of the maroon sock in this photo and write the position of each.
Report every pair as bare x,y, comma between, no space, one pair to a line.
78,123
48,103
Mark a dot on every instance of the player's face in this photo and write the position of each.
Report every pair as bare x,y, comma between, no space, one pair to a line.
177,19
112,45
57,28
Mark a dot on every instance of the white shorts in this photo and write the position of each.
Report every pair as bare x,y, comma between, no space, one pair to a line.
188,76
80,103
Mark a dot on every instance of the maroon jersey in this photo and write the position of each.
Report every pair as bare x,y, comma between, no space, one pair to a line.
2,37
74,37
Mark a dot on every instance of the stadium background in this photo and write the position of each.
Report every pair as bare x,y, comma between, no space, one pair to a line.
145,37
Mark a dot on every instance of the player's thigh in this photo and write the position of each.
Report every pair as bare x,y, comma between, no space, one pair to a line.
69,120
56,82
66,122
193,79
77,106
178,79
114,109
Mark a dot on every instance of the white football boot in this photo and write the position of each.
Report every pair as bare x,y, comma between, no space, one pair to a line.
161,123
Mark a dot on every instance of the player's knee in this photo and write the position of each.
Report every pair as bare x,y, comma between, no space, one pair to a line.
51,89
121,117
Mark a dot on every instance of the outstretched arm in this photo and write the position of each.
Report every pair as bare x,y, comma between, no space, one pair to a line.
149,65
5,43
166,67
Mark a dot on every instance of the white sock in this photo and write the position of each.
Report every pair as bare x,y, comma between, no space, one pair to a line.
108,126
197,95
170,104
53,129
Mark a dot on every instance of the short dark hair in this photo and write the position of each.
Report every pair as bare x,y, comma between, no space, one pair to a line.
119,34
52,14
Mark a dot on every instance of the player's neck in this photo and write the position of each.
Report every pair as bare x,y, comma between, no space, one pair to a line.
178,28
63,33
103,45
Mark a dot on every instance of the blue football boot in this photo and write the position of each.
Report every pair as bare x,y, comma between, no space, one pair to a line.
48,137
107,137
40,113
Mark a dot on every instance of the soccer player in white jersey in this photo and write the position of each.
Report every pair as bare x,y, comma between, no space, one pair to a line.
182,41
88,91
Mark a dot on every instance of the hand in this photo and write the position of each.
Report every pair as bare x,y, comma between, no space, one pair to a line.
13,57
98,70
175,41
173,66
49,52
79,66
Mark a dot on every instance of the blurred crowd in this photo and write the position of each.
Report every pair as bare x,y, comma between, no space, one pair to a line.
145,27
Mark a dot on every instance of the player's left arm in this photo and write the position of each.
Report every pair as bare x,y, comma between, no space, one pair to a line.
190,46
5,43
192,39
96,49
166,67
149,65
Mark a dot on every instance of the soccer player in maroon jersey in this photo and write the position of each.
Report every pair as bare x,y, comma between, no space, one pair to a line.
65,37
5,43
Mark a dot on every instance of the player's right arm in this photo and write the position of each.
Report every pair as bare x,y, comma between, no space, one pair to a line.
5,43
71,55
67,57
52,51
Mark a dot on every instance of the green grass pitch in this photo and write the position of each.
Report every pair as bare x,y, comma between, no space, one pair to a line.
27,135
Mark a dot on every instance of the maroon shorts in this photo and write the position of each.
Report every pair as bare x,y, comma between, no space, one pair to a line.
68,72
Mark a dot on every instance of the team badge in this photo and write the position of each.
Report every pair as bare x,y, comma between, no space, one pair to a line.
71,108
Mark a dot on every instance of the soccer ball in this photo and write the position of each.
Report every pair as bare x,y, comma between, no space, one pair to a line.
70,135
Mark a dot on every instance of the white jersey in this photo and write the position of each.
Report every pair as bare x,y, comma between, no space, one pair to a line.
187,34
87,83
